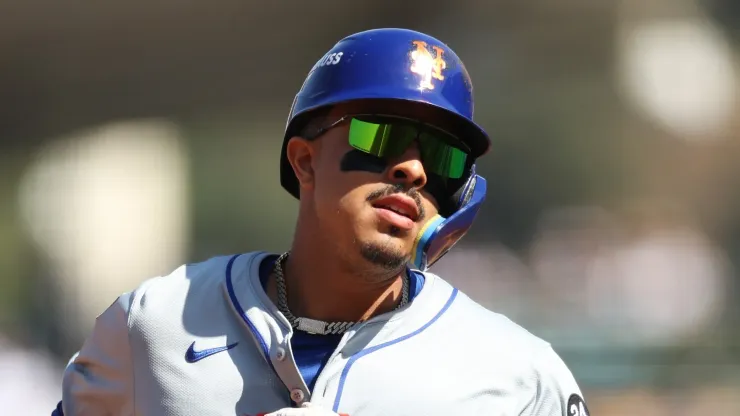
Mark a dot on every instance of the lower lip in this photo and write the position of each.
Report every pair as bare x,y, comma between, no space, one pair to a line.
394,219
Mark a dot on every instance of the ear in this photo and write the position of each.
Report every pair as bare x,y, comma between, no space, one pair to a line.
300,154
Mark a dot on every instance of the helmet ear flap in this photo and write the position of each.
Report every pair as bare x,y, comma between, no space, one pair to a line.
466,192
440,234
463,191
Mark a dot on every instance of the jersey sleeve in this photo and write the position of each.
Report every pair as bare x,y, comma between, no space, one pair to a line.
99,379
557,393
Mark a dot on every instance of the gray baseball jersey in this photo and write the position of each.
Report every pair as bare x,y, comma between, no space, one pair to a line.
207,340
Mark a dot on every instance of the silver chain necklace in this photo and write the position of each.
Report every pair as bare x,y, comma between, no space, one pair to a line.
315,326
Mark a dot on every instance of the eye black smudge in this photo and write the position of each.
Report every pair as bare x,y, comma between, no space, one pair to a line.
355,160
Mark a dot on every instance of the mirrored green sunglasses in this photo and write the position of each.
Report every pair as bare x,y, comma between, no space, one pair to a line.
389,136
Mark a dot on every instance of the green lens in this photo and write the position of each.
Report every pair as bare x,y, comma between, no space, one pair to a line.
368,137
391,138
380,139
442,158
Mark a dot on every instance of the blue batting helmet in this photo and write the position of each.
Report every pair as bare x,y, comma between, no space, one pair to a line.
404,65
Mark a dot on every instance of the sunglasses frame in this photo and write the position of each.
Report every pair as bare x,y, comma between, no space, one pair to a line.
456,140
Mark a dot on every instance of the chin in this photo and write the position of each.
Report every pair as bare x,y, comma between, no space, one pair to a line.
402,239
385,251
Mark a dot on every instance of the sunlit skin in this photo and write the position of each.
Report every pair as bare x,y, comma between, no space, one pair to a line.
347,259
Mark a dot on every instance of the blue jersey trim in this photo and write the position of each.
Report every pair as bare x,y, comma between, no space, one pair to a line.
354,358
238,306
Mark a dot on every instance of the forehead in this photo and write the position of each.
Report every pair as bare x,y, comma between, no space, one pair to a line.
413,110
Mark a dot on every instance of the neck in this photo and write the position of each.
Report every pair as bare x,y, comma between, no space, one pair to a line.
323,285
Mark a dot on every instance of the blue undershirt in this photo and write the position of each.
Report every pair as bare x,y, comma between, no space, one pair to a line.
311,351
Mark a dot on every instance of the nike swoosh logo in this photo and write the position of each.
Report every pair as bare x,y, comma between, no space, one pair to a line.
192,356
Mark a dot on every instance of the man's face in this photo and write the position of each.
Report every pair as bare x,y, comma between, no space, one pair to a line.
373,211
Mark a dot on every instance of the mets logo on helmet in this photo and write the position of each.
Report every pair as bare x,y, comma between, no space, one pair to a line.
426,64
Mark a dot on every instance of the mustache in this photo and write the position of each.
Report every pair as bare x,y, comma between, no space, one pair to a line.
399,189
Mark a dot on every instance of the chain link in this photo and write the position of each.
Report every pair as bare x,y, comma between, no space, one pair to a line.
312,325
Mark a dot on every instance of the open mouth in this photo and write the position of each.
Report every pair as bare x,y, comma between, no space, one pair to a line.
398,210
393,218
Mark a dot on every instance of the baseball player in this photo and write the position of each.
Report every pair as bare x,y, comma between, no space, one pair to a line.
379,149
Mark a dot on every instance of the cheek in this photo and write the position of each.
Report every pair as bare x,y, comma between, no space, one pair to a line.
354,213
326,176
347,218
431,208
336,194
352,203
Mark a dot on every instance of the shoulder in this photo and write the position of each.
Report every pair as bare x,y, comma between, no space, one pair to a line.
544,379
486,326
159,288
508,345
189,284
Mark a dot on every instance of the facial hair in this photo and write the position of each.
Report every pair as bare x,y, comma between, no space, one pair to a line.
386,255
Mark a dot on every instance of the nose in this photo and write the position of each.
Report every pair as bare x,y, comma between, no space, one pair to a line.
408,168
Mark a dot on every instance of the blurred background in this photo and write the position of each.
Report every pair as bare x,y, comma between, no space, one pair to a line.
136,136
